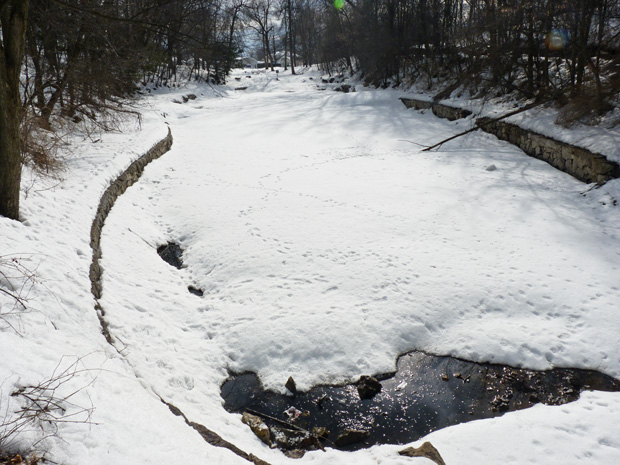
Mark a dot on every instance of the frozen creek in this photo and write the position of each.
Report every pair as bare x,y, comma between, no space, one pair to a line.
427,393
325,246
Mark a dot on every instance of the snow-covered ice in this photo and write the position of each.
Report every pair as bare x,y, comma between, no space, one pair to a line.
326,244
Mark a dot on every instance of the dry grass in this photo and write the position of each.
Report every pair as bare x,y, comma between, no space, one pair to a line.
41,148
17,459
587,109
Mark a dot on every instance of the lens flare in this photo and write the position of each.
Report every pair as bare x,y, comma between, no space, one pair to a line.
557,39
339,4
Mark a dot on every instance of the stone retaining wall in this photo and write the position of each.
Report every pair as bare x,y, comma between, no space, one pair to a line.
580,163
450,113
115,190
416,104
438,109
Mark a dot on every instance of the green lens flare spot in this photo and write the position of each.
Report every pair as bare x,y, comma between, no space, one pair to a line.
339,4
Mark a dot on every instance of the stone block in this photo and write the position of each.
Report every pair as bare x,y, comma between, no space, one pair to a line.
416,104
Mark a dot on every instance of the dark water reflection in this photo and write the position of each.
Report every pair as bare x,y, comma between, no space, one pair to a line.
171,253
425,394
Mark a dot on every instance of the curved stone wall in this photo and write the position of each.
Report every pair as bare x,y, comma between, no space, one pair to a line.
116,189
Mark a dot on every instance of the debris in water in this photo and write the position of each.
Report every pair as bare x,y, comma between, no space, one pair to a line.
351,436
293,414
426,393
171,253
368,387
258,427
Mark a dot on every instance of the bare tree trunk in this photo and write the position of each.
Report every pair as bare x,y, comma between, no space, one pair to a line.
286,49
236,9
290,36
13,16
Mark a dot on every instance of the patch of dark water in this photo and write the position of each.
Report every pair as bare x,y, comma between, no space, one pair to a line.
425,394
171,253
195,290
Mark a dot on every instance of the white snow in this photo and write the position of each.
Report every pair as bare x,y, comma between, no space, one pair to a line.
327,244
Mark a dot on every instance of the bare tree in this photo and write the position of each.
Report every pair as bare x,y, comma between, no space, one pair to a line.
290,34
259,14
13,18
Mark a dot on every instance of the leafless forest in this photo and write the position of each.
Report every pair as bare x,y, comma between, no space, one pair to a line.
75,59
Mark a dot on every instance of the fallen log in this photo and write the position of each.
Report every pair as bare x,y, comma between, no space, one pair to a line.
529,106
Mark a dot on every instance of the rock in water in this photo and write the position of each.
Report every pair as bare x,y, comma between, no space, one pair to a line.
351,436
320,432
295,453
290,385
425,450
258,427
368,387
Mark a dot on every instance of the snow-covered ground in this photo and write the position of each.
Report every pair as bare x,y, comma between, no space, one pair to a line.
327,244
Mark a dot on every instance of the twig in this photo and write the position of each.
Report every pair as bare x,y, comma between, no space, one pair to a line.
283,422
428,149
11,269
145,241
277,420
17,298
45,406
412,142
